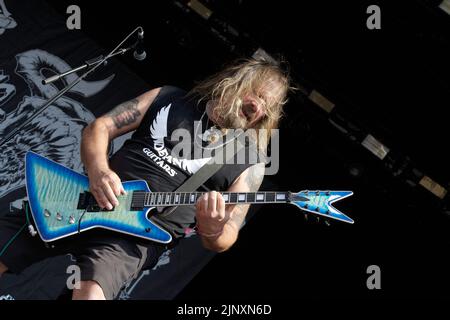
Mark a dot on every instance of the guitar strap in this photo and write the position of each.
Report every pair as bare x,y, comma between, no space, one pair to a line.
207,171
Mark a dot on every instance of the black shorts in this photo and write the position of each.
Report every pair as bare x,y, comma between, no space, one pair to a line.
110,258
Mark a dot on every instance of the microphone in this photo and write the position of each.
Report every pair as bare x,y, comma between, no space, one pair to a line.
139,51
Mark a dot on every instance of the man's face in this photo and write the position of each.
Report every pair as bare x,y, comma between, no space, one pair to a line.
252,110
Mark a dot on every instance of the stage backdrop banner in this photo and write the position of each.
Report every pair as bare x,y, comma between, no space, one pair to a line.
35,44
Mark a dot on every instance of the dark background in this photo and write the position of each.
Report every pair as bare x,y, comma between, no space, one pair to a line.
392,83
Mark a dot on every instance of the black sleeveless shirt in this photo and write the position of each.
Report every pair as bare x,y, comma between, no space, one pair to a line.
147,155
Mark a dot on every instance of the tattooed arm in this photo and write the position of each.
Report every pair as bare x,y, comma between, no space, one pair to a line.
104,183
219,225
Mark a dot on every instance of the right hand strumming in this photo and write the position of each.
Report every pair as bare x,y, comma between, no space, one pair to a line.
105,186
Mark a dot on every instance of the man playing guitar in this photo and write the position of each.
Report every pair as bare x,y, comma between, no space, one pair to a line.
247,94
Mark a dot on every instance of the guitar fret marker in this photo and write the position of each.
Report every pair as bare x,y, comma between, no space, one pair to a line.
225,197
260,197
281,196
241,197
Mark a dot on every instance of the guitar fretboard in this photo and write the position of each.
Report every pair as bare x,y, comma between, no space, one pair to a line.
163,199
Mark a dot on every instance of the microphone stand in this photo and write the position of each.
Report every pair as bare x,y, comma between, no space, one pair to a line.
94,63
88,64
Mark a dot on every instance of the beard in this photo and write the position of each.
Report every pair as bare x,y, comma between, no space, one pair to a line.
225,120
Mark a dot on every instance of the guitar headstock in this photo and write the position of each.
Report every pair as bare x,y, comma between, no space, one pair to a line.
320,203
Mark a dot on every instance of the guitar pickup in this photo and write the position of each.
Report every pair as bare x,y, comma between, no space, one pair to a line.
83,201
96,208
87,202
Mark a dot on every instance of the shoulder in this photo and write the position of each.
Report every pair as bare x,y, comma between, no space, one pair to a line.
250,179
169,91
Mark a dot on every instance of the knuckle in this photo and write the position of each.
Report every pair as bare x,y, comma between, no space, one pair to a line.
98,191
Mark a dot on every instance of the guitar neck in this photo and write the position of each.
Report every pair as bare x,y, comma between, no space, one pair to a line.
166,199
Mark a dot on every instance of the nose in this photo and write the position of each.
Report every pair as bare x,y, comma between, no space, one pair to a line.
256,106
257,109
252,110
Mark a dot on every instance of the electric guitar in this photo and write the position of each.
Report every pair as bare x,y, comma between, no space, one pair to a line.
61,204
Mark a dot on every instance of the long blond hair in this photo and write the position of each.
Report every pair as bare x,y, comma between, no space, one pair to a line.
229,86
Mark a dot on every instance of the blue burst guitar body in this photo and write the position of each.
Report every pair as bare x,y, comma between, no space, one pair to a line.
54,193
61,204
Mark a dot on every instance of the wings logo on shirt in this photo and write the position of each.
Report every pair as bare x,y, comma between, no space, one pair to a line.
162,157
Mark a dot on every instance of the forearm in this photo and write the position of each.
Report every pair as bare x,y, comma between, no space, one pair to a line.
222,242
94,146
230,231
